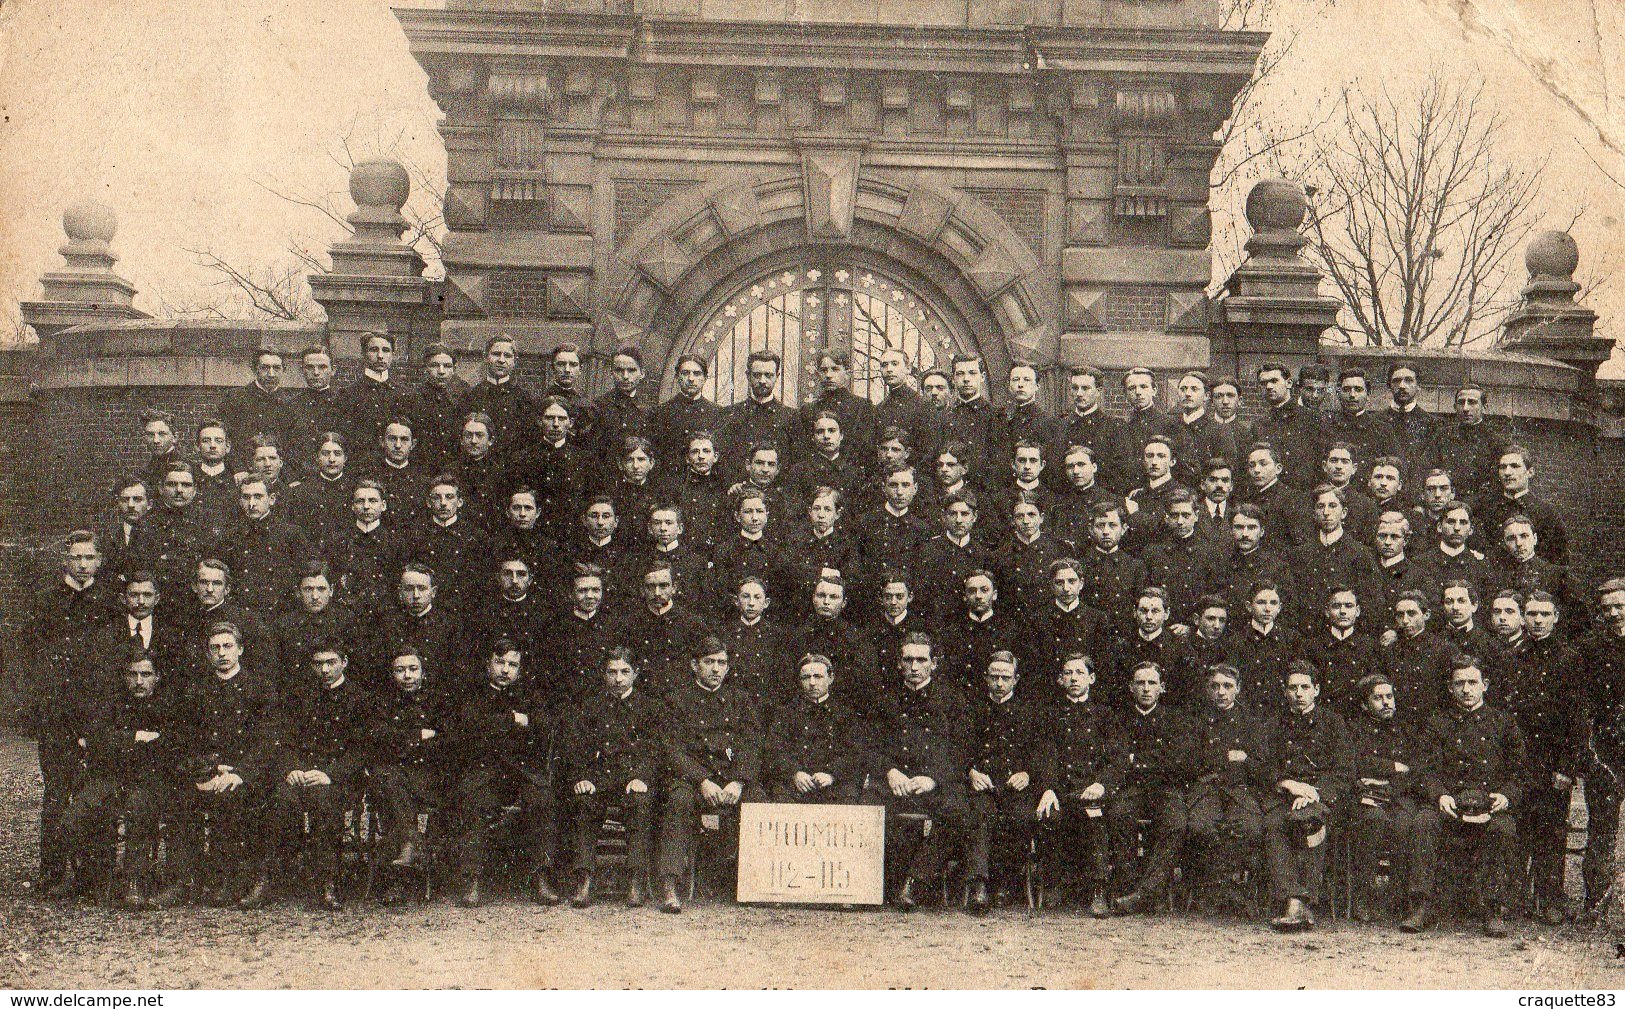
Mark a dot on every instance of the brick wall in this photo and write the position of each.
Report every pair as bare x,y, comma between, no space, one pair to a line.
1135,309
520,293
636,199
1022,209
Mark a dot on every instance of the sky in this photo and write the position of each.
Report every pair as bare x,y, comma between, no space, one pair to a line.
185,115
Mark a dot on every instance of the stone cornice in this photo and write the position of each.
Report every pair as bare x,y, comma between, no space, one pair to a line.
1000,50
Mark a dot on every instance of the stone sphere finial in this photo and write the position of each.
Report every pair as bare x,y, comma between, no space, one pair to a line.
1552,254
380,183
1276,205
89,221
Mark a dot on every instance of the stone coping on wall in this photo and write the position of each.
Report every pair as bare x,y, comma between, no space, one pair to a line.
1518,385
164,352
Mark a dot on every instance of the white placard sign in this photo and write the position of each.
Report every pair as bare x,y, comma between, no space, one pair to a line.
790,853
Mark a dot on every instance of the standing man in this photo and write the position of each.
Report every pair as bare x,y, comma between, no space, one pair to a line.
1292,428
623,412
1604,705
1089,425
260,407
1415,434
903,407
317,405
375,398
434,406
855,414
970,418
761,418
1470,447
500,396
673,423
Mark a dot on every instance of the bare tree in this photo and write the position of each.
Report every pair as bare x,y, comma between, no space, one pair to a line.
1414,219
279,290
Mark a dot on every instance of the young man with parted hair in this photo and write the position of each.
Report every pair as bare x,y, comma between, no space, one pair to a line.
622,412
1023,417
696,486
1154,742
1145,420
1470,446
918,765
317,772
854,413
1450,553
376,397
1397,570
1537,684
1150,639
1515,472
478,467
1414,658
903,406
1182,560
1354,421
815,740
661,628
125,540
456,548
1517,562
216,480
505,732
687,412
1080,768
971,417
229,768
1294,429
1332,556
434,405
260,407
581,636
500,395
1414,432
979,626
1066,623
759,647
416,618
756,418
558,467
1342,647
320,614
158,438
1288,515
1088,424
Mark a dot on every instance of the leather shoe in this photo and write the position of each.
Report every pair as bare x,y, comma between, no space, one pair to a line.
907,899
583,895
1495,926
134,899
542,890
635,893
407,857
1418,920
1099,907
670,903
472,897
329,900
1128,903
62,888
1293,919
979,902
258,895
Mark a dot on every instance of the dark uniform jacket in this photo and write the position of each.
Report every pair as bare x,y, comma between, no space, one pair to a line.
367,407
856,416
617,417
1296,433
1320,568
238,725
1380,746
924,731
1262,660
1604,697
298,631
1313,749
1079,745
844,643
1342,663
663,644
1004,737
905,408
1479,749
611,741
488,735
894,541
266,559
804,736
61,616
1187,568
1550,530
1216,733
748,422
1240,572
435,414
512,411
713,734
759,661
320,508
1103,435
111,749
1111,581
323,729
577,646
366,566
1417,667
1154,747
176,539
674,421
394,734
1539,687
249,410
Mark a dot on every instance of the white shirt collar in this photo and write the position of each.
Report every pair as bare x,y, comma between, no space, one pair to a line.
1341,633
894,513
1394,561
753,537
498,381
368,527
1327,539
373,375
1192,418
1448,551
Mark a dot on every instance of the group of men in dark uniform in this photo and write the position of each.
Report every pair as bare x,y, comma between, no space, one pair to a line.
1125,648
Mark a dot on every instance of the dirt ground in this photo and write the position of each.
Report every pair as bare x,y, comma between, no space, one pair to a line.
516,945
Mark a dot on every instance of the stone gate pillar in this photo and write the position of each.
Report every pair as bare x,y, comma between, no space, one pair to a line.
1272,308
376,281
1549,323
85,289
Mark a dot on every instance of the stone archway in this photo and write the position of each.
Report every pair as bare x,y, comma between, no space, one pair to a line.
701,247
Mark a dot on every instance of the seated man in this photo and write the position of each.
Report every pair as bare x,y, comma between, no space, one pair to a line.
321,763
609,752
1004,762
231,759
131,751
1474,766
713,749
502,738
919,767
1154,746
1080,767
1384,812
814,748
1311,769
1226,816
407,763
